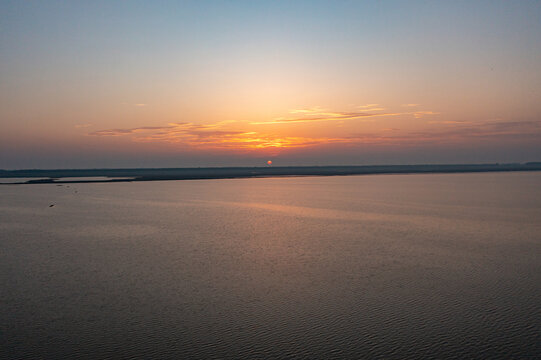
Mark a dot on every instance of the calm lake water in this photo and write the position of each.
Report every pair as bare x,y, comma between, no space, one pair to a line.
388,266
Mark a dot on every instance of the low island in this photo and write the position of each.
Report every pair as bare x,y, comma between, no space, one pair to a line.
58,176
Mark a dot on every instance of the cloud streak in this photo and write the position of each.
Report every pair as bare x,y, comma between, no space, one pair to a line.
119,132
218,137
214,136
244,136
136,104
324,117
319,114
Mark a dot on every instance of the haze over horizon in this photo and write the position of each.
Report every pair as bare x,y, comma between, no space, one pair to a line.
185,84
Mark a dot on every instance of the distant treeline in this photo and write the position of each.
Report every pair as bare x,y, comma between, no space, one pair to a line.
49,176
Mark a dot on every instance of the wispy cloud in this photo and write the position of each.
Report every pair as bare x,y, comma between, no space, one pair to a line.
135,104
226,134
448,122
244,136
483,130
410,105
221,136
324,117
320,114
368,106
214,136
119,132
420,114
79,126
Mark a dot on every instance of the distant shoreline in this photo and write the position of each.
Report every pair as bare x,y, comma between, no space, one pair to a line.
161,174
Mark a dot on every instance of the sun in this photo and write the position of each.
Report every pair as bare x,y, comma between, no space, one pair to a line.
269,162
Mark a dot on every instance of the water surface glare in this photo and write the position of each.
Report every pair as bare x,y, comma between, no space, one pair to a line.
382,266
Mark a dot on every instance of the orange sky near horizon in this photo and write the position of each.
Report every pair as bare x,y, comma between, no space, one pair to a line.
212,84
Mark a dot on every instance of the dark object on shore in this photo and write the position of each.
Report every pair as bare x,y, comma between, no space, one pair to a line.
51,205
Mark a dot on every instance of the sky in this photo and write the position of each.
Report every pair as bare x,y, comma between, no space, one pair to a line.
98,84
